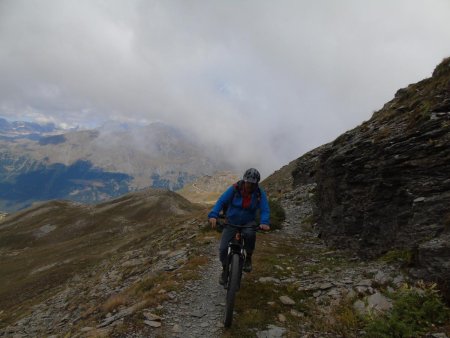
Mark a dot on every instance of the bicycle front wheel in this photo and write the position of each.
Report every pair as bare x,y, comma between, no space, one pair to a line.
233,286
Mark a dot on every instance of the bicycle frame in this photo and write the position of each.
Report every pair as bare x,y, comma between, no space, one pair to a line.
236,246
233,270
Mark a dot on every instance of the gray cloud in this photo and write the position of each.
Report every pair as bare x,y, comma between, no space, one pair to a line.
265,80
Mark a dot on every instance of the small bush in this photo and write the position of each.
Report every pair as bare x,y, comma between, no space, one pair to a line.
414,312
398,256
277,214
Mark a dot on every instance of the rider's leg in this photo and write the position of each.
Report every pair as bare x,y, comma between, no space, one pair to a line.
227,235
250,240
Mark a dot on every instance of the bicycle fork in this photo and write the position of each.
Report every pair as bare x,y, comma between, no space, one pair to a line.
236,246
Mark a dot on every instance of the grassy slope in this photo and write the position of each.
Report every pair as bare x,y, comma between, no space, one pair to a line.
34,264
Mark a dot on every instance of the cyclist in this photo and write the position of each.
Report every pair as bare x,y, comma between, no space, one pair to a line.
241,202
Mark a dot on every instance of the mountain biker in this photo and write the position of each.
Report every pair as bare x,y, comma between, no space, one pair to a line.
241,201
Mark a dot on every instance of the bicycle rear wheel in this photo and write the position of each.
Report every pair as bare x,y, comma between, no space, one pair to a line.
233,286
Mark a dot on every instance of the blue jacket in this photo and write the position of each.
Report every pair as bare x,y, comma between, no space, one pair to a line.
238,215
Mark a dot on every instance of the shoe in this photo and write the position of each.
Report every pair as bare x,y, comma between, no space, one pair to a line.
247,264
222,277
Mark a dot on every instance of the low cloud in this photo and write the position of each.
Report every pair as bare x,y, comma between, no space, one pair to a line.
266,81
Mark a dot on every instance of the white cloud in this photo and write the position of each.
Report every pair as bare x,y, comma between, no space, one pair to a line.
267,80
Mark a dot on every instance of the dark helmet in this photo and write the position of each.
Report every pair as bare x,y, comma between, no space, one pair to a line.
252,175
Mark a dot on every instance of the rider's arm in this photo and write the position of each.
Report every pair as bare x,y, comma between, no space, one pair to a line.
264,209
224,199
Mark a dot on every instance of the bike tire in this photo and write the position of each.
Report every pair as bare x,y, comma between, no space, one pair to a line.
233,287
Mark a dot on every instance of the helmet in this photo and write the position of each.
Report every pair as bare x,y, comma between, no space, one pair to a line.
252,175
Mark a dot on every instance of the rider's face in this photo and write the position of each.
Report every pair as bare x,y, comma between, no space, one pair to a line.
250,186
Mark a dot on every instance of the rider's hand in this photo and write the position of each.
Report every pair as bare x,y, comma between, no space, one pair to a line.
264,227
213,222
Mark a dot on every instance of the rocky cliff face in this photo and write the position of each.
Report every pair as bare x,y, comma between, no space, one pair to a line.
385,185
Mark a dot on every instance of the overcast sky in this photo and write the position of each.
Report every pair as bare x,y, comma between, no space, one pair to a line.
270,80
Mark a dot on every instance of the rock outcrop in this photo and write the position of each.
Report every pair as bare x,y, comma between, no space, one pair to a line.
385,185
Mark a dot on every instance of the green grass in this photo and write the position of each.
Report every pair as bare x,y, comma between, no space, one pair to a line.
398,256
415,312
277,214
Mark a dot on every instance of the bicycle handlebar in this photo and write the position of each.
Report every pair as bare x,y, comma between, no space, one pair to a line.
254,226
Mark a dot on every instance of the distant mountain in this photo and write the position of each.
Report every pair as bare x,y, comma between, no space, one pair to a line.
207,189
21,129
95,165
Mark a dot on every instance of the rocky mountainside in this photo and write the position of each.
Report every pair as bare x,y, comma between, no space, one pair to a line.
384,186
44,247
94,165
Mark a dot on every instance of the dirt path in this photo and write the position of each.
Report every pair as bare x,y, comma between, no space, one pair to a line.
199,308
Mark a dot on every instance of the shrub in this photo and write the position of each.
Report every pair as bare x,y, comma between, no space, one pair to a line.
277,214
415,311
398,256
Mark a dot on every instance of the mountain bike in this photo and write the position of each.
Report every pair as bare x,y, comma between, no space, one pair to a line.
233,269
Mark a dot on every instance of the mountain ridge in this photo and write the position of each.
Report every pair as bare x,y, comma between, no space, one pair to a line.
100,164
51,241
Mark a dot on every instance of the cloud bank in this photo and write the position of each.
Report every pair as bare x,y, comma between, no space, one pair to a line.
264,81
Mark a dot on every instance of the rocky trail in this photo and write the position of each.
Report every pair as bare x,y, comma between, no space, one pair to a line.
324,278
199,309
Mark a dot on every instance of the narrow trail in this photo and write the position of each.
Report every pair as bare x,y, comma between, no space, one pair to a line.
199,308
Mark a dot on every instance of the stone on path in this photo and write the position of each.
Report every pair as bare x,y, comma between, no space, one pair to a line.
379,302
124,313
286,300
375,303
325,286
269,280
177,329
198,314
152,323
438,335
281,317
271,332
297,314
381,278
152,317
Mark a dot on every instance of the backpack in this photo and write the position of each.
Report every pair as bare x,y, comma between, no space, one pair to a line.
237,190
